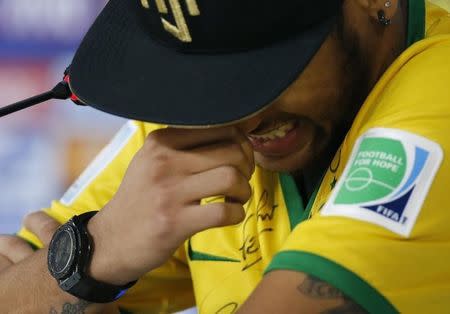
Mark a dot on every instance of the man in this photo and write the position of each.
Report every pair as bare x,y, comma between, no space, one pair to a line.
278,85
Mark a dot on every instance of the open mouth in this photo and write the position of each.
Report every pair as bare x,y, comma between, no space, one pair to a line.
277,131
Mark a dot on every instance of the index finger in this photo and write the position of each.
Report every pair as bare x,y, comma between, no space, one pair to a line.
177,138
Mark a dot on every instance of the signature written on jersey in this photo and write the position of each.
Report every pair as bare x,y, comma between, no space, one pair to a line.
256,223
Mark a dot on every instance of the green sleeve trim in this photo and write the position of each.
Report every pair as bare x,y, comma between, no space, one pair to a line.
292,199
343,279
122,311
199,256
416,21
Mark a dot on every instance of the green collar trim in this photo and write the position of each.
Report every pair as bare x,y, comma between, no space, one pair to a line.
292,198
311,201
200,256
416,21
340,277
296,210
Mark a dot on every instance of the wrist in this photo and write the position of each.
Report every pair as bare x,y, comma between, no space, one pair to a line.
106,264
69,257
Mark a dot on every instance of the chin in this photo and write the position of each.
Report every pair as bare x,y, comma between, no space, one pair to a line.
293,162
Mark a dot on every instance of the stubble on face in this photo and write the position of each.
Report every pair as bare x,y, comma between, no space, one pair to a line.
326,97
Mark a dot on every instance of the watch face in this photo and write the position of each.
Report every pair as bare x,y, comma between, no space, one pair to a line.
62,252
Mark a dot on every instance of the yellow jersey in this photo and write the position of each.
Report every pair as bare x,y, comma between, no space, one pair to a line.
376,227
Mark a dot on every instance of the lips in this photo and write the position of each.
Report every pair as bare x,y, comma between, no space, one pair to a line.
280,139
277,131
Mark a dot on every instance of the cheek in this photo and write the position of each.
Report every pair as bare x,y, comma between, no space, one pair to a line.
316,103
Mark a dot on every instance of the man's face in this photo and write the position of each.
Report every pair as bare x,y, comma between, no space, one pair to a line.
315,111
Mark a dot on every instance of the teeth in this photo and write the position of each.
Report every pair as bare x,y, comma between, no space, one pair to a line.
279,132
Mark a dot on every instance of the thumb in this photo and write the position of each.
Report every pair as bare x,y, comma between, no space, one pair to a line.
41,225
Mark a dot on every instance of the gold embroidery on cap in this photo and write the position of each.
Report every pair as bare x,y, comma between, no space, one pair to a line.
162,7
160,4
180,30
193,7
145,4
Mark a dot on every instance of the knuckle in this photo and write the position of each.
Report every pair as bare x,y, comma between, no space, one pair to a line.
155,139
250,164
31,219
252,167
41,224
250,171
230,176
9,244
221,213
151,145
5,262
234,132
238,214
242,158
159,166
247,192
247,166
165,224
35,220
48,228
163,198
235,146
161,159
39,221
228,214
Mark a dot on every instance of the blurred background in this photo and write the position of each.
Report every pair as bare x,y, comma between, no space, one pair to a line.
42,150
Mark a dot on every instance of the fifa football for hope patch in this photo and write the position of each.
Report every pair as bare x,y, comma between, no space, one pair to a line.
386,179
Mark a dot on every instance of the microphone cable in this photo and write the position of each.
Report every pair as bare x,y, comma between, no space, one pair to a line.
60,91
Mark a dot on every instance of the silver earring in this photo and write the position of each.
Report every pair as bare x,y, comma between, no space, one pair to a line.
388,4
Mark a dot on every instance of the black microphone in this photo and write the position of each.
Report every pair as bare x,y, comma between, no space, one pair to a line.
60,91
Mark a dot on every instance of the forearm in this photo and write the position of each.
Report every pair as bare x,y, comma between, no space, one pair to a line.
28,287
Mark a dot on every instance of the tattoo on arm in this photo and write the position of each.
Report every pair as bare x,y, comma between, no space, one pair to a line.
316,288
68,308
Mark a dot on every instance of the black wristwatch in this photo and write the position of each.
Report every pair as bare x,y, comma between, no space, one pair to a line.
69,255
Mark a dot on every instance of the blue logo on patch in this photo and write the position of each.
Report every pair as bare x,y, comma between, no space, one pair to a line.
394,209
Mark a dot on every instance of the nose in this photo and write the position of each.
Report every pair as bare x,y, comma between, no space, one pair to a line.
253,122
249,124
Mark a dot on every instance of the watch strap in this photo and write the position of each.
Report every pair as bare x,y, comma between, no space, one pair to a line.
79,283
89,289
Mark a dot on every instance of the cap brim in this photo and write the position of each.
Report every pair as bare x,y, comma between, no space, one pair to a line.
119,69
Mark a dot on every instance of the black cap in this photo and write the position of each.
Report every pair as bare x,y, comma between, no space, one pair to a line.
197,62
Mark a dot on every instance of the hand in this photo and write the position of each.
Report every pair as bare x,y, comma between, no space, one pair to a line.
14,249
157,206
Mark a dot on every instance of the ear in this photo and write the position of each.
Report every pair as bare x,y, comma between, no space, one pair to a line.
373,7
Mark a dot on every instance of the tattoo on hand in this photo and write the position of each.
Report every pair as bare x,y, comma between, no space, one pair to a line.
315,288
77,308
